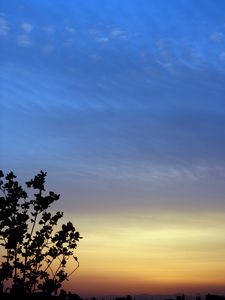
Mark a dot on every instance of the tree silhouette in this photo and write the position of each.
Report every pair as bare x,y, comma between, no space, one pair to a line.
34,253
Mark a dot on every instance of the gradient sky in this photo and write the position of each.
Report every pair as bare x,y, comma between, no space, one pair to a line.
122,102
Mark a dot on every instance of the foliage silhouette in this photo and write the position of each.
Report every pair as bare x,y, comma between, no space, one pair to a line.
35,253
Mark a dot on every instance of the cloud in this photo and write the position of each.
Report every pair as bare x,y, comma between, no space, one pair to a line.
102,39
4,27
95,57
117,32
216,37
70,29
27,27
166,50
49,29
150,173
161,44
94,31
67,43
48,49
167,66
23,40
222,56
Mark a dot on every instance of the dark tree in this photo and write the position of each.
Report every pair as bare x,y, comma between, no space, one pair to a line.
35,252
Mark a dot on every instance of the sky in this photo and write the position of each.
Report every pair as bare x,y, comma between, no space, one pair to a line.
122,103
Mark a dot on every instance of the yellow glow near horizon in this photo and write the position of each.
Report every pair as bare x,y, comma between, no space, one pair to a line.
149,253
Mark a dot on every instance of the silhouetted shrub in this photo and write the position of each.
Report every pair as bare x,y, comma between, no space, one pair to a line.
34,251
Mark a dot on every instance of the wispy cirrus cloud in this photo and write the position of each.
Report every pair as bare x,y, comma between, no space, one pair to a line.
48,49
222,56
49,29
24,40
103,39
216,36
4,26
166,54
119,33
96,30
27,27
70,29
67,43
164,48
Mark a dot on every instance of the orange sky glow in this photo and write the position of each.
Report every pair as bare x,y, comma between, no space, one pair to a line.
159,253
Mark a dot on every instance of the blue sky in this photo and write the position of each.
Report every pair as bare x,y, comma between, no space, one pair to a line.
125,97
